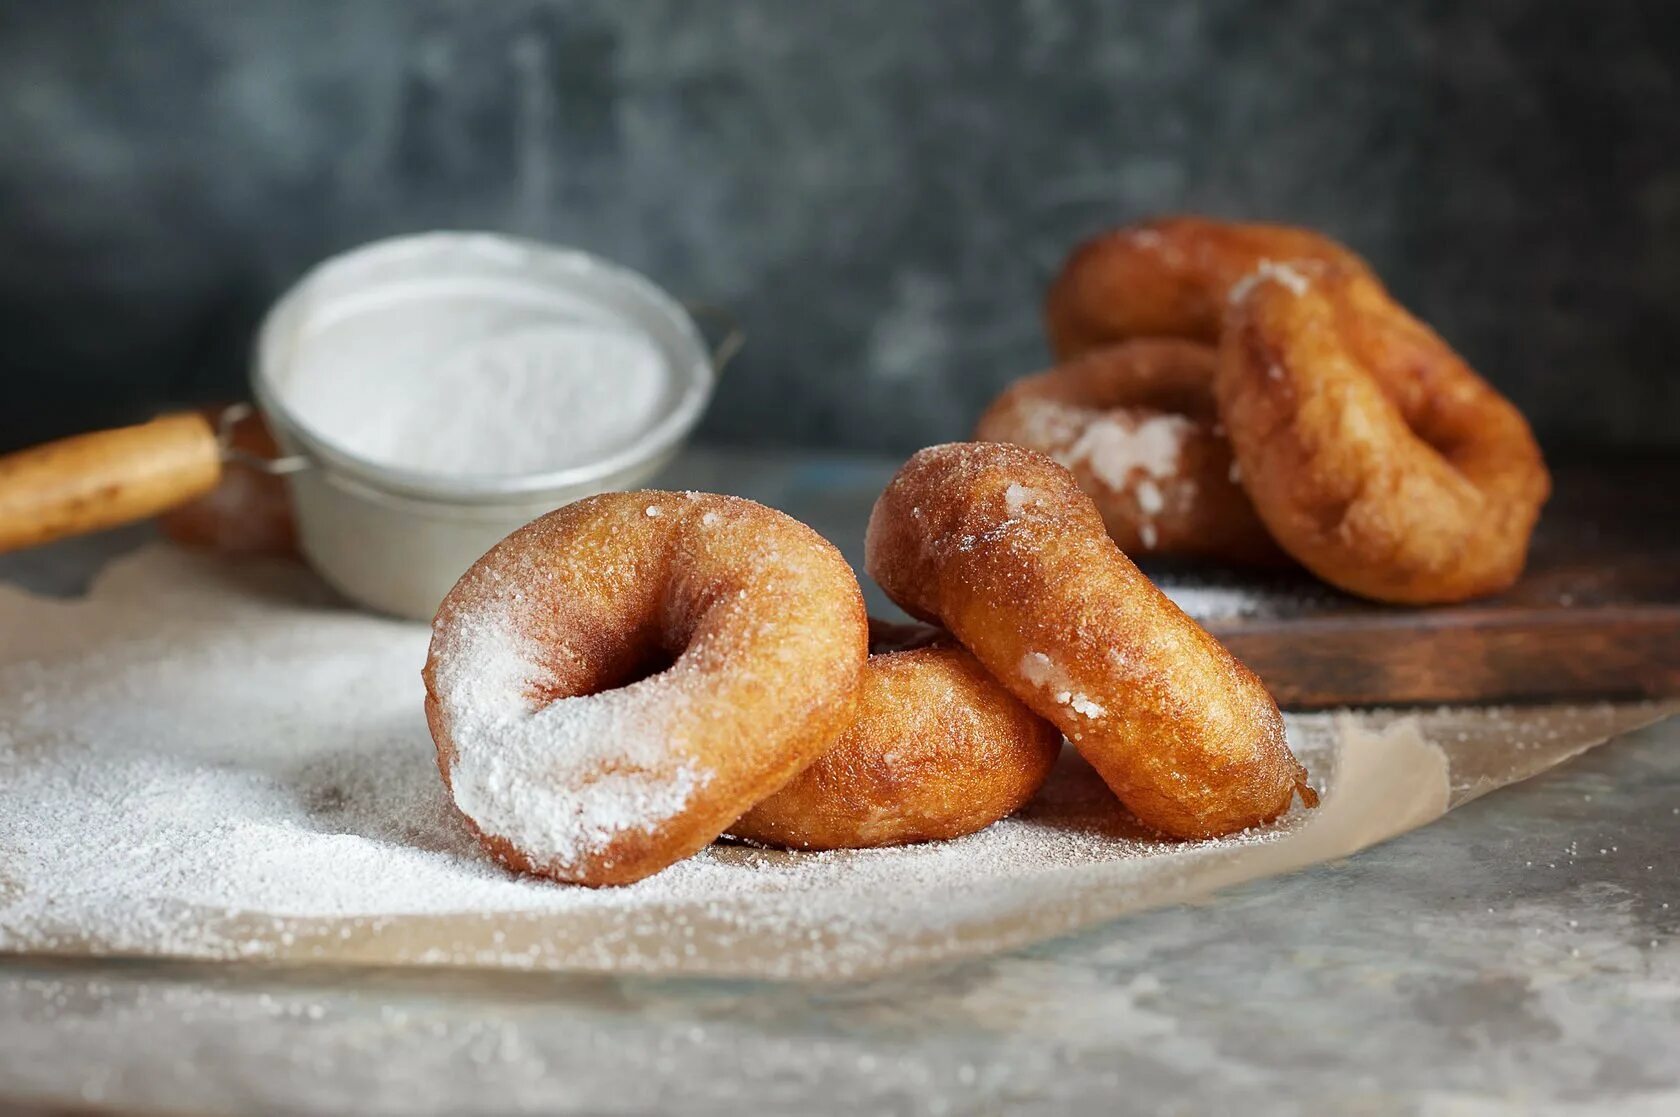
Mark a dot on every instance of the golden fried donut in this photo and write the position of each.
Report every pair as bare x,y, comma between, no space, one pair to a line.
998,543
1136,425
248,512
1370,449
616,682
939,749
1166,278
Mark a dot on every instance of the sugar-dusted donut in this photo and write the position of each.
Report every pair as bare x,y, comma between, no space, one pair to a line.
1370,449
248,512
1166,278
939,749
1136,424
616,682
998,543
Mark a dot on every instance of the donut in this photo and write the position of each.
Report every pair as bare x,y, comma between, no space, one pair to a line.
1372,452
997,543
939,749
248,512
1166,278
615,683
1135,423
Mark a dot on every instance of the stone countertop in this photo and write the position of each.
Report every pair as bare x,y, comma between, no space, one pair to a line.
1521,954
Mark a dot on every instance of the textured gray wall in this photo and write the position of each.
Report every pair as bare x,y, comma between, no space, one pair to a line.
878,188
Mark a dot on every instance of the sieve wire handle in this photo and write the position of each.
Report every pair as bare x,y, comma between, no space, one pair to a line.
230,417
734,337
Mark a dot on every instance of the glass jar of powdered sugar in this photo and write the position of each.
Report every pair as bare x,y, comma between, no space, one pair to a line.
434,392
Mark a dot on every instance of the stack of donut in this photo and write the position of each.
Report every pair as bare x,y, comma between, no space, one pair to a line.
1249,392
624,680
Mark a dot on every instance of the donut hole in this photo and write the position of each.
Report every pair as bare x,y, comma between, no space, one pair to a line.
1449,410
613,668
888,637
1375,455
656,661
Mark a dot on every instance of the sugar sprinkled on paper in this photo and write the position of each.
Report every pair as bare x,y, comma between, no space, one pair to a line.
218,762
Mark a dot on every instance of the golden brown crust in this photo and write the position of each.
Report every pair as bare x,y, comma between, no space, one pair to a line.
1373,453
998,543
248,512
757,622
1168,277
1136,424
939,749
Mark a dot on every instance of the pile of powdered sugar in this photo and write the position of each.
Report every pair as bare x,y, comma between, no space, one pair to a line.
459,391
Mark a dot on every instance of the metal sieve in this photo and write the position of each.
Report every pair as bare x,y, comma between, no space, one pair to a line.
391,539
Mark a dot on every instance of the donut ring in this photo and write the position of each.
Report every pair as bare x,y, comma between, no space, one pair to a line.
998,543
1135,423
616,682
1166,278
1375,455
248,512
939,749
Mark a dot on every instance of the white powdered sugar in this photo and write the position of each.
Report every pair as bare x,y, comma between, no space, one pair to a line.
1149,498
1117,446
1215,597
1048,426
1083,705
459,391
1272,271
218,760
1018,498
1120,450
559,782
1214,603
1046,674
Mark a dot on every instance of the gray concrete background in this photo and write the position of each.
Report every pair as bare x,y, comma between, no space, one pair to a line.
878,188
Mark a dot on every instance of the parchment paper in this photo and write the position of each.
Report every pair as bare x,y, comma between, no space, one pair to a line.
128,718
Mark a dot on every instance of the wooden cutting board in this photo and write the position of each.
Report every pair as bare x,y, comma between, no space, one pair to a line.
1596,615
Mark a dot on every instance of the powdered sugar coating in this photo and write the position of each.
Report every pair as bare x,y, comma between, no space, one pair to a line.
1292,276
1120,447
1135,424
616,682
1183,733
564,779
1038,669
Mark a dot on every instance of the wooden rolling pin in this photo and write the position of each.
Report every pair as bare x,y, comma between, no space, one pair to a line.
95,481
